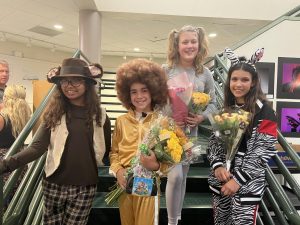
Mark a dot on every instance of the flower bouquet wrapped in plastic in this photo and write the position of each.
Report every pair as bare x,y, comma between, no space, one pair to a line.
229,126
197,105
180,91
170,146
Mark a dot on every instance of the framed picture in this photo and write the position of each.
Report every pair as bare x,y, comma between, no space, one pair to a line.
288,79
288,114
266,71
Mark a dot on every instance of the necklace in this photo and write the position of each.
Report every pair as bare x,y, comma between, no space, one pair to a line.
239,106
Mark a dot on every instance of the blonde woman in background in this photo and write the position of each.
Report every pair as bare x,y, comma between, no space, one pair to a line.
13,117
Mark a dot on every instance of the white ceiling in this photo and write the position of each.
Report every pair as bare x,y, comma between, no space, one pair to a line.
121,32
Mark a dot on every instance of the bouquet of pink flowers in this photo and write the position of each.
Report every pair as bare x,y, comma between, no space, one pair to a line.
180,92
229,127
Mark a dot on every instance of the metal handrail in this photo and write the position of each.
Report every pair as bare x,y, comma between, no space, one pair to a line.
281,197
266,213
276,207
25,197
36,202
38,217
286,174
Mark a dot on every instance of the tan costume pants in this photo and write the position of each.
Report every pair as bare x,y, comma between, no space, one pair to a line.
137,210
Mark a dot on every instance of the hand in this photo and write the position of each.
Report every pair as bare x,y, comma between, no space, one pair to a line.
3,167
149,161
121,178
230,188
194,119
222,174
180,124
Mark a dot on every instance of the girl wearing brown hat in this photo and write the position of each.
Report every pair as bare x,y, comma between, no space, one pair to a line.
75,132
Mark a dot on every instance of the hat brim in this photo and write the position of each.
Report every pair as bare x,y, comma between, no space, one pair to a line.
55,79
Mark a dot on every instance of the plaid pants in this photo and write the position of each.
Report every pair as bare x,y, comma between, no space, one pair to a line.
67,204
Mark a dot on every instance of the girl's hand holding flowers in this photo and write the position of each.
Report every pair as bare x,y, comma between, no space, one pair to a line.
193,119
121,178
149,161
222,174
196,106
230,188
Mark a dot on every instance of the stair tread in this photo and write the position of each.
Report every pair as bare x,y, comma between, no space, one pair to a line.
194,172
191,201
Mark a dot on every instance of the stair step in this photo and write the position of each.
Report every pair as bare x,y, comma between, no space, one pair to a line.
196,180
194,172
191,201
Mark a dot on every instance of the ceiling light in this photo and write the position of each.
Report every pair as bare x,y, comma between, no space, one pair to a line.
58,26
212,35
136,49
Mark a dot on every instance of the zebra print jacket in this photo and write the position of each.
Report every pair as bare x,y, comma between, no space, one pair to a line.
249,164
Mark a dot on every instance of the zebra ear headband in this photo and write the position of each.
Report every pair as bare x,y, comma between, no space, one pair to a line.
235,59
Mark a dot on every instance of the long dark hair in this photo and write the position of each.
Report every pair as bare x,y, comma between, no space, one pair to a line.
60,104
255,93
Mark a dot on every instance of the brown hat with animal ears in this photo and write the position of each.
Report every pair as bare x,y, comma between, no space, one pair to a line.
74,67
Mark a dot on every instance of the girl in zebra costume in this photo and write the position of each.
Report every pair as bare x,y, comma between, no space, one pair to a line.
237,192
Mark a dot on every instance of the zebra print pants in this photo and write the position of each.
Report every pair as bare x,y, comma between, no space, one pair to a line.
228,211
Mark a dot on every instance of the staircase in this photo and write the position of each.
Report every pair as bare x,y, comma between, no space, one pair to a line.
279,206
197,204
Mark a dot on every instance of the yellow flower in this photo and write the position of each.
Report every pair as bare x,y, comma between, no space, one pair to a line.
175,149
198,102
200,98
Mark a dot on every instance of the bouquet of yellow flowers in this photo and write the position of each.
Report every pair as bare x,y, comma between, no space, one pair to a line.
197,104
166,140
229,127
170,146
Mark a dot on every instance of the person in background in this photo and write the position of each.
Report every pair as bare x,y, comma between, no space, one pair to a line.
141,87
294,85
13,117
4,76
238,192
73,134
188,47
